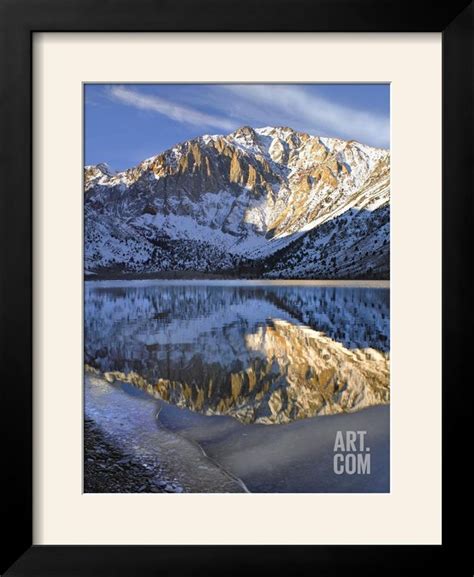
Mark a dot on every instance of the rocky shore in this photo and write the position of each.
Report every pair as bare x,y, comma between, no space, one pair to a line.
107,469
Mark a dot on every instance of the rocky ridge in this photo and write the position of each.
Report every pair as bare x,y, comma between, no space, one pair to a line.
230,203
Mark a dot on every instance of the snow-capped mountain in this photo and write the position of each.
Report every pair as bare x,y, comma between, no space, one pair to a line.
266,201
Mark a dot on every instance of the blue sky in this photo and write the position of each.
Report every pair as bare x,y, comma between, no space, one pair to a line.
126,123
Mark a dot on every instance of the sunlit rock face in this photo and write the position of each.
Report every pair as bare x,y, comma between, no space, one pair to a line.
268,355
218,202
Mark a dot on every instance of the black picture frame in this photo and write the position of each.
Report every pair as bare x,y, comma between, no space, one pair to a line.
19,20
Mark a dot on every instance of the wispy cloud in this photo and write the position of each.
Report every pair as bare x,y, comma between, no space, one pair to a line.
225,107
169,108
304,110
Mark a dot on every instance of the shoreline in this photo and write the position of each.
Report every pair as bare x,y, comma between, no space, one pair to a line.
217,454
108,469
127,419
219,465
222,281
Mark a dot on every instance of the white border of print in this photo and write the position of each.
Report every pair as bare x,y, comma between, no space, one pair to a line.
411,513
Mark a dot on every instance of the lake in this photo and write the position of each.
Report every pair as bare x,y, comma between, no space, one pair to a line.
251,369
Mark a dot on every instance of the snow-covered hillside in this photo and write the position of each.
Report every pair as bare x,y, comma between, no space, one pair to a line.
268,201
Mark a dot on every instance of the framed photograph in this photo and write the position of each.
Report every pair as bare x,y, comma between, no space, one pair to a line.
234,246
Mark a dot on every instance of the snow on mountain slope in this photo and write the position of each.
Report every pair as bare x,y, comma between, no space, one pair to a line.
221,203
350,246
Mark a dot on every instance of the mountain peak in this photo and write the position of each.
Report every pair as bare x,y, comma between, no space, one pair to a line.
242,196
246,134
97,171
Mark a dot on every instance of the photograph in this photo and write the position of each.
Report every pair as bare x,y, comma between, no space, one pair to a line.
236,288
212,281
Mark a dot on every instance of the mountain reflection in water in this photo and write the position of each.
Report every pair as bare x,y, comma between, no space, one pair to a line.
267,353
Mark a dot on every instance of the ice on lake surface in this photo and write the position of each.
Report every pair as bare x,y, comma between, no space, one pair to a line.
244,364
